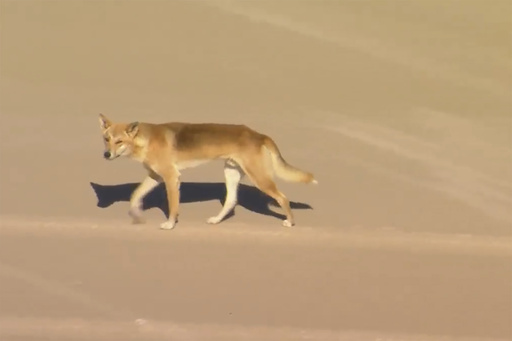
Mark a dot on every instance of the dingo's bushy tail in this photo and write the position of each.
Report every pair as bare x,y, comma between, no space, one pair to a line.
284,170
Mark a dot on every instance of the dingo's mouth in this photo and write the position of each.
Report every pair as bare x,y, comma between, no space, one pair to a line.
109,156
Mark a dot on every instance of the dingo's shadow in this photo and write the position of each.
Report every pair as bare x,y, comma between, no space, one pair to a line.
249,197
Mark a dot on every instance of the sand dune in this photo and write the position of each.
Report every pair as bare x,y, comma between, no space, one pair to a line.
402,110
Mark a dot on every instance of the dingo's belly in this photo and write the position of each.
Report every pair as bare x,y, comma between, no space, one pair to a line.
191,163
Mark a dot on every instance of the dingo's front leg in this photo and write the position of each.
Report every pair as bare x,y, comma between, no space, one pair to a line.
148,184
172,185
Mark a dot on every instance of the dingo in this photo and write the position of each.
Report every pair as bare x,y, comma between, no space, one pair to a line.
165,149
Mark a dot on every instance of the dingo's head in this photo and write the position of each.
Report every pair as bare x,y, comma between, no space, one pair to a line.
118,138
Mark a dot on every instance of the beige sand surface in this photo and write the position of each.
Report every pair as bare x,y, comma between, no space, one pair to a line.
402,110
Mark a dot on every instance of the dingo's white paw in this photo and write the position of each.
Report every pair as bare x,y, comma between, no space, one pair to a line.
287,223
213,220
136,214
168,225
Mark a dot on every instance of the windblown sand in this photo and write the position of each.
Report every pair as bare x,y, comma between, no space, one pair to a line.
401,109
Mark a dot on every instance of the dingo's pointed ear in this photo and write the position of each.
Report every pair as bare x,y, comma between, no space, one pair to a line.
104,122
132,129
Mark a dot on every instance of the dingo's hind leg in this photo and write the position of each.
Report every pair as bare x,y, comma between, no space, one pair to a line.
257,170
233,174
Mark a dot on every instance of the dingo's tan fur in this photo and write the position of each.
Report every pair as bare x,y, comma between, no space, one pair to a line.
167,148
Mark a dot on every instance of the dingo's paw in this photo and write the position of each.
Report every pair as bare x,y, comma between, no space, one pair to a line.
214,220
168,225
287,223
136,215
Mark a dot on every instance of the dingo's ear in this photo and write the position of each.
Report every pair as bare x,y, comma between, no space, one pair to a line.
104,122
132,129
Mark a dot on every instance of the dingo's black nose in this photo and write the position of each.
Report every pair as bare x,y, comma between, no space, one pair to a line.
106,155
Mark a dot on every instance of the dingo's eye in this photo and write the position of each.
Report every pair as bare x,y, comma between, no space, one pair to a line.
106,139
119,142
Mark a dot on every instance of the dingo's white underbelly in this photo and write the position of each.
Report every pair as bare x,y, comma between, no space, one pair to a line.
190,163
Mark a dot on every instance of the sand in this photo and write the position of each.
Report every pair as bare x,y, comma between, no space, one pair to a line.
401,109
